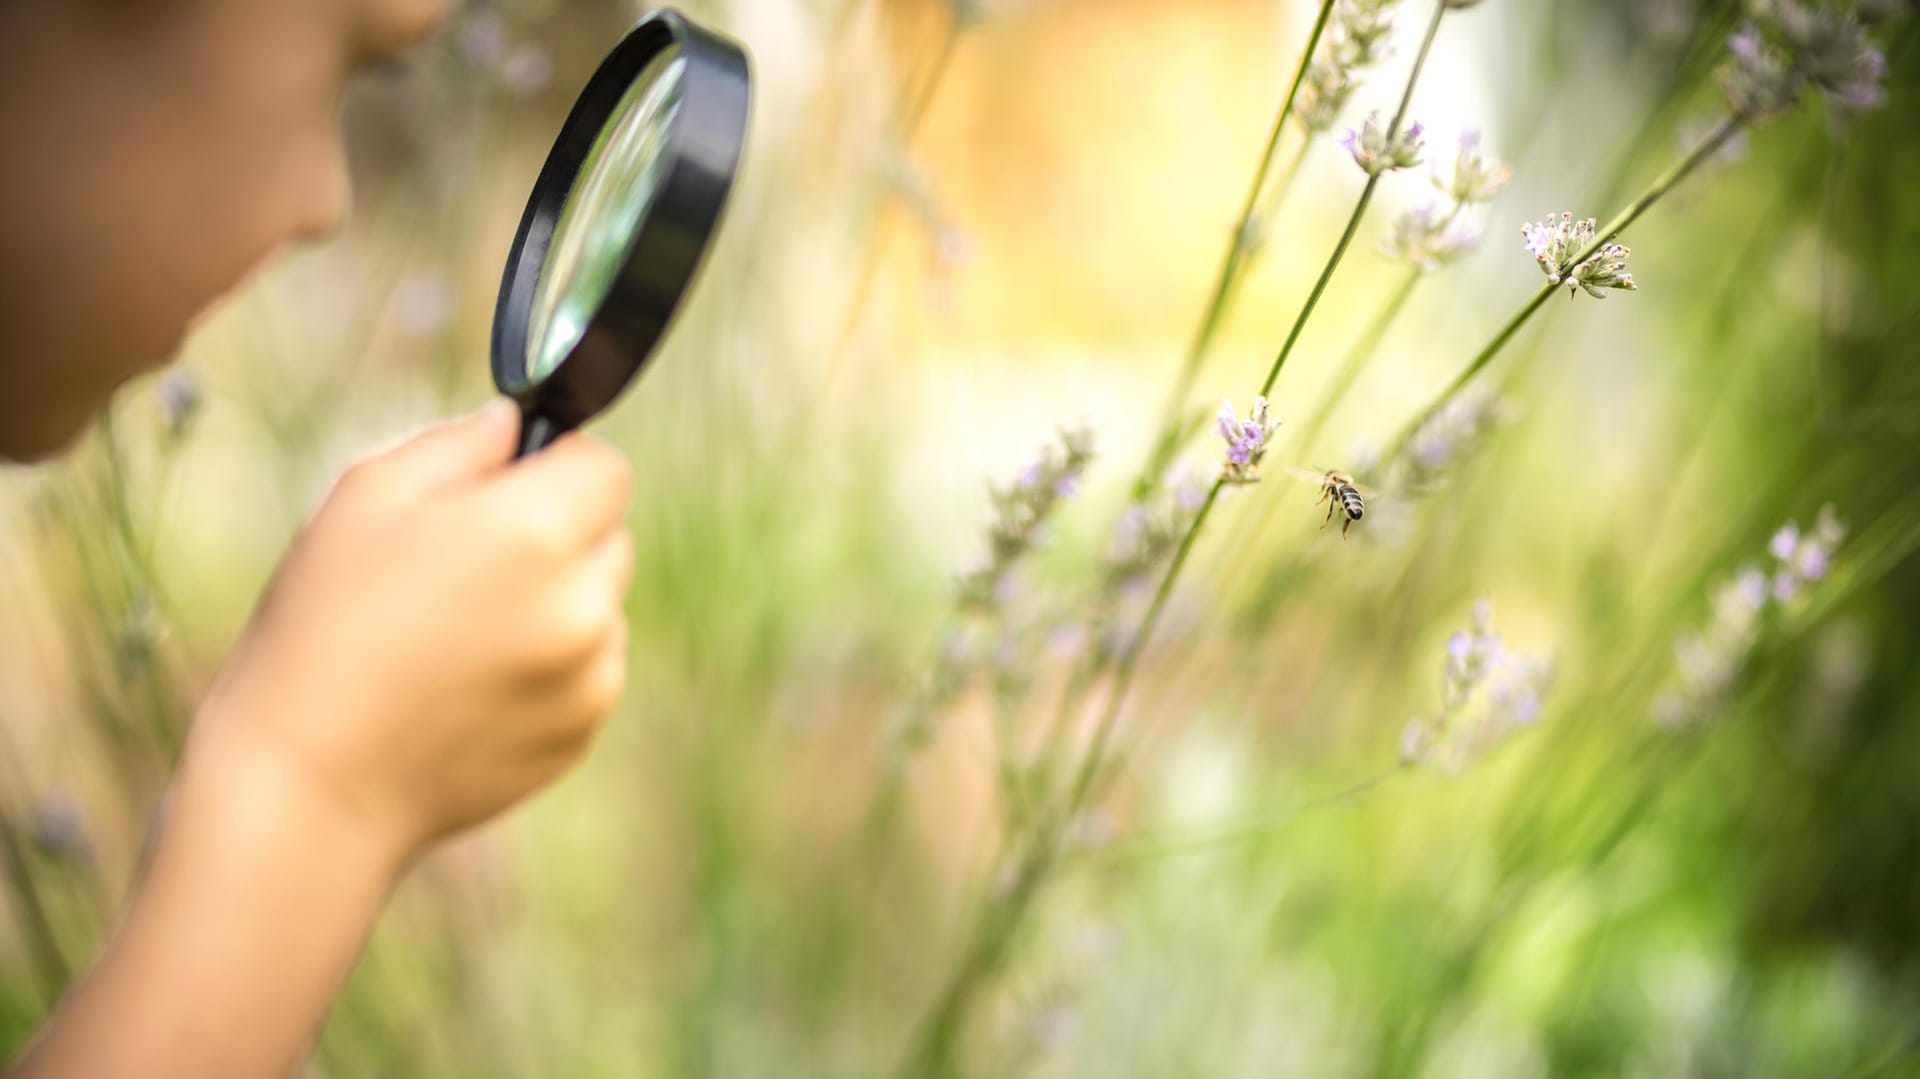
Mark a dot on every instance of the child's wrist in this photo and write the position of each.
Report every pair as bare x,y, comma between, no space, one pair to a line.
233,770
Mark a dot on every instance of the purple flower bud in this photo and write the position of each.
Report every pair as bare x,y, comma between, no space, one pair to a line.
1784,541
1813,562
1459,646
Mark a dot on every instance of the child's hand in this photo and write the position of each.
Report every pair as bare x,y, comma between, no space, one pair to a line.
444,639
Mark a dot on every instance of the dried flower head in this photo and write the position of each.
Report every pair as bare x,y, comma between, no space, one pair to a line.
1556,242
1376,150
1429,239
1474,177
1247,440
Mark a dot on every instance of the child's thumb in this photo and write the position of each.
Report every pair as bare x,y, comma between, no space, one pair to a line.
457,450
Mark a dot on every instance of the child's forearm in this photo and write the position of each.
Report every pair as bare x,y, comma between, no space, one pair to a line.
259,897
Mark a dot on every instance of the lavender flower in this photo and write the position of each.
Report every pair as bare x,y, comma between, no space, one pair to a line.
178,397
1789,46
482,38
60,828
1454,434
1474,177
1555,242
1830,48
1150,529
526,70
1247,440
987,640
1021,512
1322,95
1375,151
484,43
1428,239
139,637
1758,79
1356,40
1486,694
1709,663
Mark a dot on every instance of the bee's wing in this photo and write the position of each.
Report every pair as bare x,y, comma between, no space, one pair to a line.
1317,477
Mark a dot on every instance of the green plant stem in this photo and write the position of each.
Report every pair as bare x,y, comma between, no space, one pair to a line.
49,965
1167,442
909,128
1123,672
1356,358
1252,831
1277,198
1130,657
1626,217
933,1047
1360,207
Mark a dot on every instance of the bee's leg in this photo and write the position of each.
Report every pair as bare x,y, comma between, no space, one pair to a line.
1329,517
1344,525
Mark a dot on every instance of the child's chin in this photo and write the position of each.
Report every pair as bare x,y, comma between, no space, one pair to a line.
27,444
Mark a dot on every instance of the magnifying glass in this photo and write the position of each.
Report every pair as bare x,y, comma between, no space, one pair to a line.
620,216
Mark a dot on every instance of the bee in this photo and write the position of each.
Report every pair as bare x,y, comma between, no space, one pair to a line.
1339,492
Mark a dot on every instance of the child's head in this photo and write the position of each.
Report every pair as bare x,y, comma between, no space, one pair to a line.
156,151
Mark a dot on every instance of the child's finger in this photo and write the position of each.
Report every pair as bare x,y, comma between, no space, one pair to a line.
457,450
578,488
611,561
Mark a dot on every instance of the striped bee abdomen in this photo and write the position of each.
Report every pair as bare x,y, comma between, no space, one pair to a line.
1350,502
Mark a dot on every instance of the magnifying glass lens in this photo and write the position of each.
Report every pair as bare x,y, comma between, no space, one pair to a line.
616,185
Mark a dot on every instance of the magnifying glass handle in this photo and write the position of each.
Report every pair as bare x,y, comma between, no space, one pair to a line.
536,433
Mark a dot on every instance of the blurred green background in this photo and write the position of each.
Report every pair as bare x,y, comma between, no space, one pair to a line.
960,226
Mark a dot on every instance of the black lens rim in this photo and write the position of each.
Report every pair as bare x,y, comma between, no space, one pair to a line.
700,157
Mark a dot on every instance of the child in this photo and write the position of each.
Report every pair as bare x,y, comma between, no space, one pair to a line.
445,635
